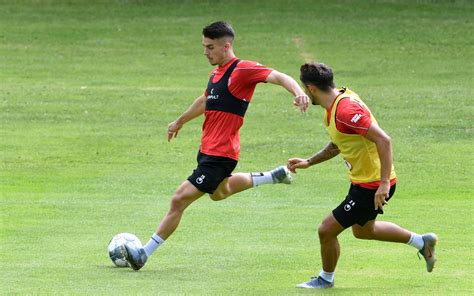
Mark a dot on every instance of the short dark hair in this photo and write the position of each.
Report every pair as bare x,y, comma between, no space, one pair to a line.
317,74
218,30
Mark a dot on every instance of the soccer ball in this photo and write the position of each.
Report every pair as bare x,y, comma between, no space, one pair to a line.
117,248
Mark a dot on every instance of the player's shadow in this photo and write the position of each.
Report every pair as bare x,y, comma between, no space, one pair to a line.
149,270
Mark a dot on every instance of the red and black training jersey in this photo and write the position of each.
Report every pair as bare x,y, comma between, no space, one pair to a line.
229,91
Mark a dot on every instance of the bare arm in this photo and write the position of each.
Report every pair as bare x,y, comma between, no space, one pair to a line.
384,149
326,153
196,109
301,99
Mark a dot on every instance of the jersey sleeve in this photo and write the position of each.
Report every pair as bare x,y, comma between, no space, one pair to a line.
352,117
245,77
252,73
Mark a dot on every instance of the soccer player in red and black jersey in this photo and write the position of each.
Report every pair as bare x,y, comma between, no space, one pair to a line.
224,103
367,152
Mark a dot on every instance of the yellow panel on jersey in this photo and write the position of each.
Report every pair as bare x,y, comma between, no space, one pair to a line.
359,153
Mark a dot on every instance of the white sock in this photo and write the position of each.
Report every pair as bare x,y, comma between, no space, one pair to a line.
153,244
327,276
416,240
261,178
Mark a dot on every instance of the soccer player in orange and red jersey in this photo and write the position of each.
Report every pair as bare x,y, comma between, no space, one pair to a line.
224,103
367,153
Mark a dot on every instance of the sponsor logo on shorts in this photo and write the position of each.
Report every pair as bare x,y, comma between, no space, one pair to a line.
199,180
348,206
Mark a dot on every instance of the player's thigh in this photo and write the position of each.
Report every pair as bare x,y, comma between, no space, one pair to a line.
222,191
330,227
364,232
230,185
186,194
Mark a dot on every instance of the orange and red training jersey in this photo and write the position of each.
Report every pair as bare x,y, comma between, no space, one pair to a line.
229,91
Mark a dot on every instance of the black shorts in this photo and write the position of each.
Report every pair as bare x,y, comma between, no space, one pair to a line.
211,171
358,207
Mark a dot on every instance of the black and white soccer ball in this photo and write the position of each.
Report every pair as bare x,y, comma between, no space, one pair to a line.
117,248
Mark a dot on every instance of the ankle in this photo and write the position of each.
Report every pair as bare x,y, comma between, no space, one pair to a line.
327,276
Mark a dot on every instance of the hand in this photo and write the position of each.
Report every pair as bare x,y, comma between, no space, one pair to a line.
173,129
297,163
381,195
302,102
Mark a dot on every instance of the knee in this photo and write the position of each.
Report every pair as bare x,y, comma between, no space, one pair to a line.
222,192
329,229
177,202
323,233
217,196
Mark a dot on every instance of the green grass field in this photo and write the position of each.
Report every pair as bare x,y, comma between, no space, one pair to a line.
87,89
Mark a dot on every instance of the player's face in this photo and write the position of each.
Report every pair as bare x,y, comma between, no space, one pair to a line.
215,49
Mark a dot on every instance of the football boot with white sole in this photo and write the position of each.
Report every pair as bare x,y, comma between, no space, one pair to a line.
316,282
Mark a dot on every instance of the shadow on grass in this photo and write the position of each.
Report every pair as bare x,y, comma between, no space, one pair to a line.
145,270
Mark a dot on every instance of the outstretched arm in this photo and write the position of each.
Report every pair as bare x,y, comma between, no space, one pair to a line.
197,108
384,149
326,153
301,99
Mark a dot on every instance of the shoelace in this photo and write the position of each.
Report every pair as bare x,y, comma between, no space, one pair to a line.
318,277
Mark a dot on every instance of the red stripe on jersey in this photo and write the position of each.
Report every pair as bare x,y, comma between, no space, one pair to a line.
375,185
